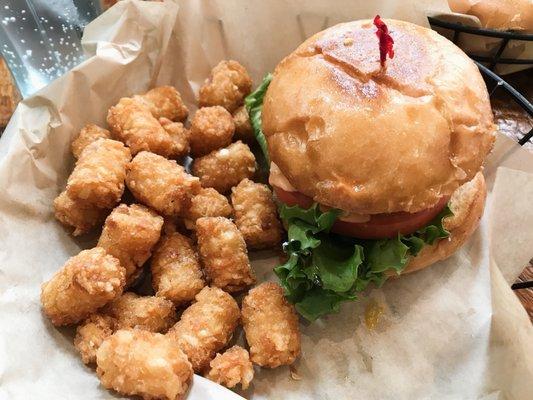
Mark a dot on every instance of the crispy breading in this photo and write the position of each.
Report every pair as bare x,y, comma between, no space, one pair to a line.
98,177
179,134
90,335
207,203
164,102
147,364
89,133
227,86
211,128
223,254
85,283
78,214
231,368
132,122
150,313
206,326
224,168
129,234
256,214
161,184
176,272
271,326
243,127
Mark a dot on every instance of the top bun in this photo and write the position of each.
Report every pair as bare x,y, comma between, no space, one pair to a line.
498,14
354,136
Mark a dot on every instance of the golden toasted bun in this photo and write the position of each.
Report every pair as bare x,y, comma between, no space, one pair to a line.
369,140
467,204
498,14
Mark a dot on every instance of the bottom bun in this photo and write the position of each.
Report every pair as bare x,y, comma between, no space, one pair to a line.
467,204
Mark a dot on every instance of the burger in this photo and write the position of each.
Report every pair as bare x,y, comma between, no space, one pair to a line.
375,134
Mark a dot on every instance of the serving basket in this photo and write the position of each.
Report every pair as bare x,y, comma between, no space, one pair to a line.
506,38
30,55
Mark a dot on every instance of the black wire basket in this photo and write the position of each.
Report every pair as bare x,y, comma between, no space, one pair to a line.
505,37
494,82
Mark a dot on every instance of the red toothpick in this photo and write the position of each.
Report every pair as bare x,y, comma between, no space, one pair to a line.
385,40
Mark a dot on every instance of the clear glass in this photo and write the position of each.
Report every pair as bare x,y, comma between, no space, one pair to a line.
41,39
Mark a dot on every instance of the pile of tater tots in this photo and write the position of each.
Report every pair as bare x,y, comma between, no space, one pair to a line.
189,232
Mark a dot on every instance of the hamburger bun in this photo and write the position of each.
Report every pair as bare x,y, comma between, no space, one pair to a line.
498,14
467,204
368,140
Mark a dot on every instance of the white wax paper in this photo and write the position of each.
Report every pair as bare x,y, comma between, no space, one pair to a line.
452,331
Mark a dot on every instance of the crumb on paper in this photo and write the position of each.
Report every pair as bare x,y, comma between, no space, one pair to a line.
294,373
373,314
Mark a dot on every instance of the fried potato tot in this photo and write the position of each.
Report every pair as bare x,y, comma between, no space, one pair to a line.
243,127
224,168
207,203
90,335
132,122
206,326
223,254
129,234
78,214
231,368
227,86
211,129
256,214
98,177
161,184
85,283
150,365
164,102
179,134
176,272
271,326
150,313
89,133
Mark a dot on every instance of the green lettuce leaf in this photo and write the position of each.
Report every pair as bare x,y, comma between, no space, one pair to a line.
318,302
254,105
336,265
324,269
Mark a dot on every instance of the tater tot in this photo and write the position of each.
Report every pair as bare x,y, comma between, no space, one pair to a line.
78,214
222,169
161,184
150,313
90,335
223,254
271,326
176,272
166,102
256,215
85,283
129,234
206,326
243,127
90,133
147,364
227,86
179,134
132,122
207,203
211,129
98,177
231,368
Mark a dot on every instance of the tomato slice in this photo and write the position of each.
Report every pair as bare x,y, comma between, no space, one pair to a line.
293,198
380,226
